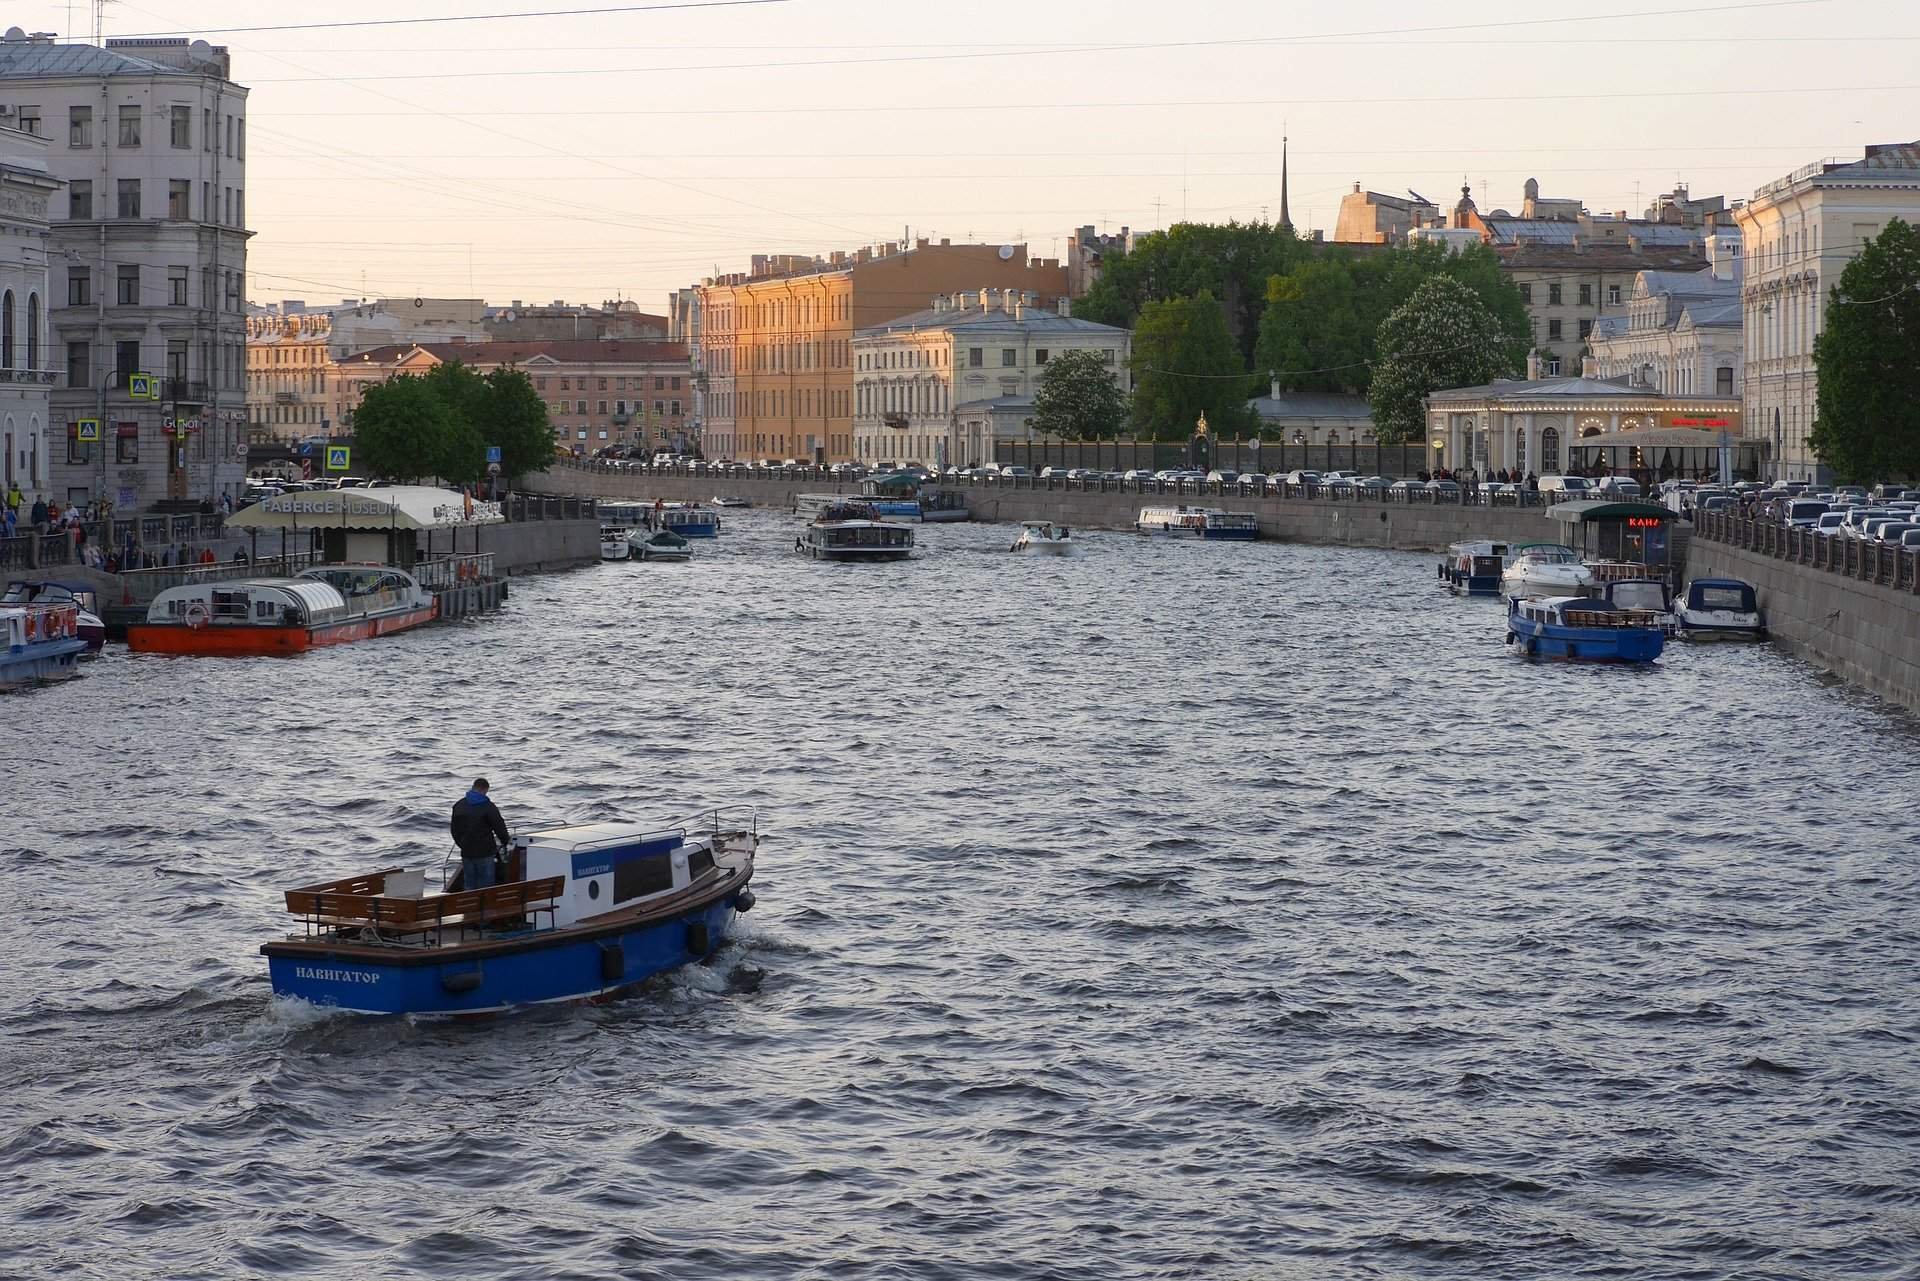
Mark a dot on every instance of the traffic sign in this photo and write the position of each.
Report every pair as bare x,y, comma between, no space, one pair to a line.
143,387
493,469
87,431
493,453
240,450
338,457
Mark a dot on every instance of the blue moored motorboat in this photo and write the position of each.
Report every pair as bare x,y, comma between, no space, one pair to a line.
39,643
1474,568
584,912
688,520
1582,629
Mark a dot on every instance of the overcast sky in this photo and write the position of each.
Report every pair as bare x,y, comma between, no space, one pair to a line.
590,157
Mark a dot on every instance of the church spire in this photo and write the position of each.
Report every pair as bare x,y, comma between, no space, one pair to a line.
1286,219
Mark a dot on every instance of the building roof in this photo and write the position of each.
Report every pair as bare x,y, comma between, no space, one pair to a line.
996,403
613,351
1034,319
390,507
1884,162
1604,255
1715,314
1312,404
30,58
1561,231
1579,512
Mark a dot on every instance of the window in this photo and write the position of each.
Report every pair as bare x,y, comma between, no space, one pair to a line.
126,449
1007,357
675,382
1526,294
77,452
676,409
976,357
579,406
129,198
80,199
227,194
239,207
128,292
29,118
6,330
33,331
539,384
130,126
1586,327
1586,295
206,129
79,126
603,404
1553,295
180,127
1553,331
660,407
603,387
1613,295
1723,381
79,364
177,289
1551,367
229,137
1040,356
659,383
126,361
179,197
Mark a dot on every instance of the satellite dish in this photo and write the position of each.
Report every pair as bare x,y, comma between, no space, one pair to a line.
16,33
200,49
1006,252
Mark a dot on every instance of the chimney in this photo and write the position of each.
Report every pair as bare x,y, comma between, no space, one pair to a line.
986,303
1579,243
1589,367
1633,244
1065,305
1017,304
1273,384
944,242
1533,365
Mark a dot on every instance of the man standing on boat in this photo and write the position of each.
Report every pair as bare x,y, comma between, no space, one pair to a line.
480,833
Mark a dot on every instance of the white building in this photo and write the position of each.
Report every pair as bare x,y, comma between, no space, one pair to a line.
149,259
27,371
944,386
1677,332
1800,233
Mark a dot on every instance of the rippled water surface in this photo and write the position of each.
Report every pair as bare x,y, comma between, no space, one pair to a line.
1169,911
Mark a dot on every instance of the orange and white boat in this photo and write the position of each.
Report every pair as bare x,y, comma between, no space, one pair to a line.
326,605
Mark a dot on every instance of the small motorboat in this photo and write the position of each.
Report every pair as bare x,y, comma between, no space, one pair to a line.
1582,629
1474,568
29,592
854,531
729,500
1720,609
325,605
1544,569
583,912
662,544
1043,538
613,542
42,643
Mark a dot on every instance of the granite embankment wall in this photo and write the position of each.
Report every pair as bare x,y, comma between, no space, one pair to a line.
1865,632
537,546
1342,522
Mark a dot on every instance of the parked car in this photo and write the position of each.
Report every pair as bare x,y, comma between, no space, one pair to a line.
1717,503
1871,526
1893,531
1332,483
1617,487
1012,471
1303,477
1222,477
1804,513
1339,473
1252,482
1407,490
1373,486
1498,491
1829,522
1444,491
1910,541
1137,474
1567,486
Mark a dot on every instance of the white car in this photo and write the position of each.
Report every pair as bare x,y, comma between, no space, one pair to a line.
1302,477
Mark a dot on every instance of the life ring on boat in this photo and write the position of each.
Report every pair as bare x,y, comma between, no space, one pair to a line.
196,615
33,628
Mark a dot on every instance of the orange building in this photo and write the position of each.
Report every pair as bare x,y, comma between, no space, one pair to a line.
776,343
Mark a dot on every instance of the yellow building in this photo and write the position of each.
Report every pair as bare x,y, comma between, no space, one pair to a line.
776,343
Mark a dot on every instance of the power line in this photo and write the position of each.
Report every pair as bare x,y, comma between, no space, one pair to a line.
478,17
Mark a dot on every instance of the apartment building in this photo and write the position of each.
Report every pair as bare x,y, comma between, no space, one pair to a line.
27,371
637,394
1802,231
1678,332
776,343
293,353
149,257
947,385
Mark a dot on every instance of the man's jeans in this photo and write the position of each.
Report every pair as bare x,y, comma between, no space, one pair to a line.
476,873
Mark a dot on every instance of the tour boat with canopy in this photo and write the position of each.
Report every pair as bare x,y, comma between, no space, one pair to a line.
1474,568
28,592
1582,629
42,643
853,531
584,911
325,605
688,520
1208,523
1721,609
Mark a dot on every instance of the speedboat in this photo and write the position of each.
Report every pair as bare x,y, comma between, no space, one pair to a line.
1209,523
325,605
583,912
1044,538
1721,609
42,643
1474,568
29,592
662,544
727,500
1544,569
854,531
1582,629
613,542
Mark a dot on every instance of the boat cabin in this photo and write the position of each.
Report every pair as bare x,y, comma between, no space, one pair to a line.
1232,522
611,866
1647,594
1628,533
1581,611
1722,594
256,602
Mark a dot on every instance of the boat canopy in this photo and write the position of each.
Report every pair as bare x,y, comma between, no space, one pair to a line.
260,600
1576,513
412,507
1721,593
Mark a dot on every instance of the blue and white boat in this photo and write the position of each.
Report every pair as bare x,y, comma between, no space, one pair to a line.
1209,523
1720,609
1474,568
584,912
689,520
43,643
1582,629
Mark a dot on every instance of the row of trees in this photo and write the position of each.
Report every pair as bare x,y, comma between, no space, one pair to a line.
440,424
1868,356
1216,311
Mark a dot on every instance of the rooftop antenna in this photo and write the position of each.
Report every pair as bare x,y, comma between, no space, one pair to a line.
100,22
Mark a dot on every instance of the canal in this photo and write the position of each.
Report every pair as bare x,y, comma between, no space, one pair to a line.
1174,910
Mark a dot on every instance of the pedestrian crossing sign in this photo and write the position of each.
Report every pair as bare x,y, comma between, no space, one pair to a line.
140,386
87,431
337,457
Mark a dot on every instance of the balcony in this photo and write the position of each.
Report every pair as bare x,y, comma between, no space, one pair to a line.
47,376
286,397
185,391
621,420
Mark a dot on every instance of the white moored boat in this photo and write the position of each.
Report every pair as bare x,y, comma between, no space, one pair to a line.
1545,569
662,544
853,531
613,543
1720,609
1043,538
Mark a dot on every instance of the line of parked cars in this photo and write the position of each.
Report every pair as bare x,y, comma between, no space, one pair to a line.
261,486
1889,516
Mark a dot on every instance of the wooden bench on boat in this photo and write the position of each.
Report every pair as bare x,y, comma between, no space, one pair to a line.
361,901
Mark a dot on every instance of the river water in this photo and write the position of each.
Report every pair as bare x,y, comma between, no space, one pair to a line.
1174,910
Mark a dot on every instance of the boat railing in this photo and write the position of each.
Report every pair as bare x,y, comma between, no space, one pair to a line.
142,585
1610,617
445,572
362,902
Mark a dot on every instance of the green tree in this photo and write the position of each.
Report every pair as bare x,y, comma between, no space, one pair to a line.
1868,358
1184,365
1442,336
515,418
1231,261
1078,399
464,393
403,430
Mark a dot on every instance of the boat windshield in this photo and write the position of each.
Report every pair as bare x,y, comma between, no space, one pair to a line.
1719,597
1550,554
1639,596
